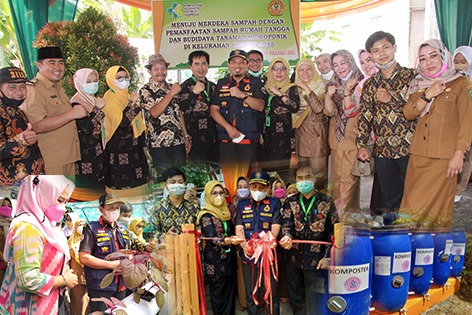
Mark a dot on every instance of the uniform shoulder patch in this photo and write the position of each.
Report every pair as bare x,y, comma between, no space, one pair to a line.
32,82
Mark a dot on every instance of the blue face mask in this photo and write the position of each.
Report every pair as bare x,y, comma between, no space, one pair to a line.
90,88
305,186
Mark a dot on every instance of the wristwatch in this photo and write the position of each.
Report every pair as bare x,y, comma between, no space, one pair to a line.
425,98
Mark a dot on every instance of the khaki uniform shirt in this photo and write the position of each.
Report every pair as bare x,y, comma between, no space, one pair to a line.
46,99
447,126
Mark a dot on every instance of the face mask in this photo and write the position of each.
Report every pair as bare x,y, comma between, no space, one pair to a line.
80,229
90,88
279,193
386,66
243,193
463,66
258,195
176,190
437,74
138,231
69,224
327,76
218,201
55,212
123,85
125,221
5,211
11,102
111,216
255,74
305,186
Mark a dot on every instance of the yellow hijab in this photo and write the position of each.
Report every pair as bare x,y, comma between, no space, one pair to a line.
134,224
315,84
222,212
74,241
116,101
283,85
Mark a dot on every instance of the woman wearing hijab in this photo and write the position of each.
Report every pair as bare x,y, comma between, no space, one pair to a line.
137,226
78,295
278,134
89,170
71,218
126,164
463,61
342,103
219,255
36,250
310,123
439,98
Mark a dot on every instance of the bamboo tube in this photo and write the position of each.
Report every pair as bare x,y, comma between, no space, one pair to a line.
170,268
184,275
178,272
192,258
338,241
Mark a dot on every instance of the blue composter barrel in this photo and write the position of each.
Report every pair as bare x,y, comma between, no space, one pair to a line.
422,253
458,251
442,256
392,261
350,273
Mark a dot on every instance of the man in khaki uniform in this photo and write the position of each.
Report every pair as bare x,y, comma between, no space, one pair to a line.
48,109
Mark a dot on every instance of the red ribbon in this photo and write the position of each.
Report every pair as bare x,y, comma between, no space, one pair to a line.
201,283
265,257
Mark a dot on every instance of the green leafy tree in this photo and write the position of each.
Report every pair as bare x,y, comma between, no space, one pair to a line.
8,44
310,40
90,42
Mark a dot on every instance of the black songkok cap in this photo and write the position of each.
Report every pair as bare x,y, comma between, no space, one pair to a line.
49,53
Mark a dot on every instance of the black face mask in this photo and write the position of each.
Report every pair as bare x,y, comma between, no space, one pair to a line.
11,102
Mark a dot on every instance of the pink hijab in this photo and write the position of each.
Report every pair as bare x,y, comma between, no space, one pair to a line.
86,100
36,194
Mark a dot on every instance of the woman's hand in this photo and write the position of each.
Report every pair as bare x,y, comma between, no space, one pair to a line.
350,85
331,90
71,278
275,90
456,164
435,89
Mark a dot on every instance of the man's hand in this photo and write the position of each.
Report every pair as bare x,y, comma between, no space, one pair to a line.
29,135
323,264
175,89
236,92
198,88
383,95
363,154
233,133
286,242
78,111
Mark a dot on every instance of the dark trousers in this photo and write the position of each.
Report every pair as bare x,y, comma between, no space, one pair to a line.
163,158
250,277
100,306
308,290
391,176
204,152
231,152
223,294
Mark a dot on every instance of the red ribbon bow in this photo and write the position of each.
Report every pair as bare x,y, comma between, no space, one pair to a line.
265,257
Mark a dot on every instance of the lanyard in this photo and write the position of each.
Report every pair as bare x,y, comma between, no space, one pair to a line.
267,120
307,211
225,228
206,90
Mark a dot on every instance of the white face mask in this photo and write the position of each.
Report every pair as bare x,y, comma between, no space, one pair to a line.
327,76
123,85
176,190
243,193
258,195
80,229
125,221
111,216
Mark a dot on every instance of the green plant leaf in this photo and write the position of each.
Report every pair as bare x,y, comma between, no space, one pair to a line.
158,278
107,280
160,299
136,297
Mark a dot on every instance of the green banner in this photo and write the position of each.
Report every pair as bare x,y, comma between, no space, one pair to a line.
219,26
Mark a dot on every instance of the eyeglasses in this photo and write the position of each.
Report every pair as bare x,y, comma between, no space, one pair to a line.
255,60
275,69
218,193
121,79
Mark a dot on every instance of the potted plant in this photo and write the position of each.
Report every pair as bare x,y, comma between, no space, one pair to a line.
139,269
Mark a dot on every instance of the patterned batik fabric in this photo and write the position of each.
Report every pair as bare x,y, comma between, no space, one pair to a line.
393,131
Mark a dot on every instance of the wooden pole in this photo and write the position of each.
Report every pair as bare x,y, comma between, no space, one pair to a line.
184,275
170,269
189,232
